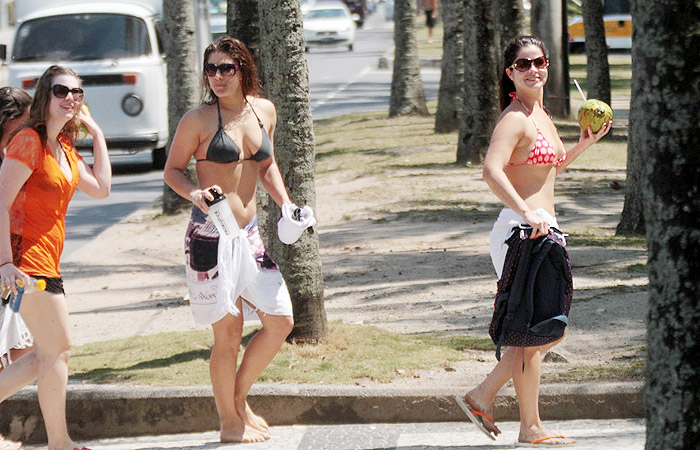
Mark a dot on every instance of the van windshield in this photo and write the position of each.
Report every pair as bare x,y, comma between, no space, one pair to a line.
81,37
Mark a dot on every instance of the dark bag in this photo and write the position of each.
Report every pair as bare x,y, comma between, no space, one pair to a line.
534,293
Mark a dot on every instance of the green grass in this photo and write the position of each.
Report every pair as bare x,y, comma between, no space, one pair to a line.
603,237
351,352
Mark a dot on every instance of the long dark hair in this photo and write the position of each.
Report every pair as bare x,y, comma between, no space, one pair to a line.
13,103
511,51
39,112
241,56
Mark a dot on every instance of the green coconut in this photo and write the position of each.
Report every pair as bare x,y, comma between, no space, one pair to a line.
594,113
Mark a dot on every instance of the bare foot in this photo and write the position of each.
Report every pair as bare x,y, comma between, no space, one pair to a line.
240,433
6,444
543,437
255,420
485,409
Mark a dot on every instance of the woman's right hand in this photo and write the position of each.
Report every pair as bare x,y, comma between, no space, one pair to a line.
540,226
199,196
9,274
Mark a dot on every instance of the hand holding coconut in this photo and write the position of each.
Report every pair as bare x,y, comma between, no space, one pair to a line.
594,117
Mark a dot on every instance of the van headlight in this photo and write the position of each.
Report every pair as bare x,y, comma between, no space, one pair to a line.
132,105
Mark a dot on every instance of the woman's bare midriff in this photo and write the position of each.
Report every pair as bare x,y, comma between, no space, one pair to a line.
534,184
237,181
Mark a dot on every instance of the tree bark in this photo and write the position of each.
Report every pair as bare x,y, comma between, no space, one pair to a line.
243,23
452,74
183,80
407,95
480,104
665,92
598,79
287,85
549,23
509,16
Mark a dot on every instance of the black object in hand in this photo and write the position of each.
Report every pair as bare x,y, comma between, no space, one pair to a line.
217,197
296,215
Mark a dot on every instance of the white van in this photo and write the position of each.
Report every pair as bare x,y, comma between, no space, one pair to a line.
114,47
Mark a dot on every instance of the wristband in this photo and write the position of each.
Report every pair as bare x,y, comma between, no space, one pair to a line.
4,264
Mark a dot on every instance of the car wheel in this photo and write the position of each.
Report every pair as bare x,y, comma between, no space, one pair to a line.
306,49
350,47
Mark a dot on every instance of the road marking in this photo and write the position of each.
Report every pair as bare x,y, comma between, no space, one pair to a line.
342,88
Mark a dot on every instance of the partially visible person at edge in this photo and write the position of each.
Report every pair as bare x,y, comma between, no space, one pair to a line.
15,338
230,136
524,157
431,9
38,177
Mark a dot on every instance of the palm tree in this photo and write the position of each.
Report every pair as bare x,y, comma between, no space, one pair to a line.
666,132
480,102
598,80
407,96
183,80
287,85
452,74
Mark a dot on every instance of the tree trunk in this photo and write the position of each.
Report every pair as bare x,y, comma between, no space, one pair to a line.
452,74
407,96
287,85
598,79
665,90
510,21
243,23
183,80
549,23
480,104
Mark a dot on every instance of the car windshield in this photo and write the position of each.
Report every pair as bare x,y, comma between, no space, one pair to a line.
83,37
326,14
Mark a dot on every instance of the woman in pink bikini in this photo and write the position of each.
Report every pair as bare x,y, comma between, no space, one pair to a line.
524,157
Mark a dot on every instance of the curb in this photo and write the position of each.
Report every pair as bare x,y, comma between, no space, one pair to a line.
104,411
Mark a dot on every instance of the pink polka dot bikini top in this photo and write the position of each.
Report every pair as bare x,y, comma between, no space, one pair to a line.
542,152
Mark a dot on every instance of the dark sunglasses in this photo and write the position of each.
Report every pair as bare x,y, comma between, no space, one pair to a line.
524,64
61,91
226,70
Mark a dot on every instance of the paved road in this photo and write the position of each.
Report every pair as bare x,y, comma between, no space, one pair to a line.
341,82
590,435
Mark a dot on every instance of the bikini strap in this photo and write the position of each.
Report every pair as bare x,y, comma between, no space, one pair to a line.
218,110
256,114
514,96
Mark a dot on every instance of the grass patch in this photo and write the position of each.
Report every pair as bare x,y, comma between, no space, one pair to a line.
599,237
629,366
351,352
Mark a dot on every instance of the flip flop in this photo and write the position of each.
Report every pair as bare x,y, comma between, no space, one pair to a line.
9,445
473,416
538,442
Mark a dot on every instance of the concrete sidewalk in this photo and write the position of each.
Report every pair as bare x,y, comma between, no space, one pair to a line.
590,435
109,411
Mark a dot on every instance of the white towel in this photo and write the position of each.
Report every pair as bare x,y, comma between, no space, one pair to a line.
289,229
13,334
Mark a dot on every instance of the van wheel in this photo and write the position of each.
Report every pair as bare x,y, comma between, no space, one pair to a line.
159,158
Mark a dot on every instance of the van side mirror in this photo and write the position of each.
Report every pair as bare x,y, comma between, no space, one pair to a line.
3,52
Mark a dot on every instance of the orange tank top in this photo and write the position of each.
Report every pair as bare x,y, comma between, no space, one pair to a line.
38,214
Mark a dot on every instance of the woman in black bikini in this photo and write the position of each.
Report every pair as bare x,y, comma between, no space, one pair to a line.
230,136
524,157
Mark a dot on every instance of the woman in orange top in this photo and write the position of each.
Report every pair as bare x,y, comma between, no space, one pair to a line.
38,177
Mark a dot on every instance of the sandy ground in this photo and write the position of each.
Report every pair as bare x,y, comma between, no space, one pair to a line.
388,262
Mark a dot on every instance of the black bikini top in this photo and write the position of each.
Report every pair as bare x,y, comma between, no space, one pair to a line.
222,149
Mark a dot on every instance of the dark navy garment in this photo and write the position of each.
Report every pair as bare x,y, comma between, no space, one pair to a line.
534,293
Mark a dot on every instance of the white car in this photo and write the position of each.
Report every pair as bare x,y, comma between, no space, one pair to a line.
329,24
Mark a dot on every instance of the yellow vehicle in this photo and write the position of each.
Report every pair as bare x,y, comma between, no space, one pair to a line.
618,27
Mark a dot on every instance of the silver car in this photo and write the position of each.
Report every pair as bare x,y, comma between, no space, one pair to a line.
329,24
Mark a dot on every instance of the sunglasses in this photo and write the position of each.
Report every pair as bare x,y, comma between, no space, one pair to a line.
61,91
226,70
524,64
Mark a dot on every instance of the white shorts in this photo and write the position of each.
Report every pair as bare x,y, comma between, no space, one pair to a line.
503,229
220,271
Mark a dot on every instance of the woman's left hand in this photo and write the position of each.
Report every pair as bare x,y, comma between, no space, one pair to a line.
588,137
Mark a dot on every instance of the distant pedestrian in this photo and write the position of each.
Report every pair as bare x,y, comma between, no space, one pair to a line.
38,177
521,165
431,10
15,338
231,137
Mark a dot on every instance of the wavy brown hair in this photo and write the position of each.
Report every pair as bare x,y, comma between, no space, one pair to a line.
13,103
241,56
39,113
509,54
